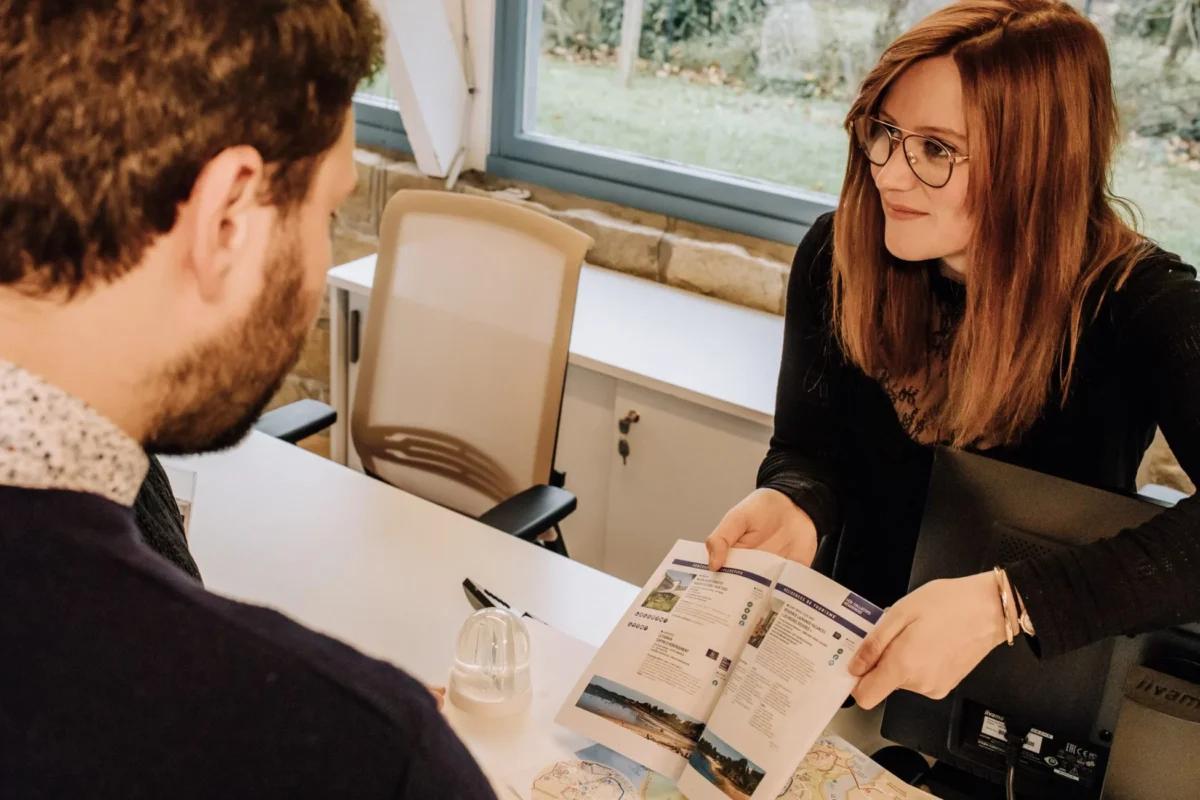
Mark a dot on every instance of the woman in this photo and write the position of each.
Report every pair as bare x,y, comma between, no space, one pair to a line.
977,288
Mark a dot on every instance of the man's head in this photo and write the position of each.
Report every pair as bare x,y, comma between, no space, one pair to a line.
167,173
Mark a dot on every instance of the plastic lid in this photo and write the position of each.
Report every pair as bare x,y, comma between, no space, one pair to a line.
491,664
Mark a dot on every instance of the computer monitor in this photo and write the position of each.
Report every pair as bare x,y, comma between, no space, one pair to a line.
981,512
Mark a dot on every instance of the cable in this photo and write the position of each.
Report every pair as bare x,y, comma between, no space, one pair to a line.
1012,754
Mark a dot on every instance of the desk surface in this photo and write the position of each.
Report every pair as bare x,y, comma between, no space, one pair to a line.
381,569
342,553
706,351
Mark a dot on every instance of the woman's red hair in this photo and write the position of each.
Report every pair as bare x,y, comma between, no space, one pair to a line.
1042,129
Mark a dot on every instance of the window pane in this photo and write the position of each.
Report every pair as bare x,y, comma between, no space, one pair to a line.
378,86
1156,71
717,85
759,88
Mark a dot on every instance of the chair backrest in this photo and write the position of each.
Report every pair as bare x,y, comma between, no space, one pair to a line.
462,367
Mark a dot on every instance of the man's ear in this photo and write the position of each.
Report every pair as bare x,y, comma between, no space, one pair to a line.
221,205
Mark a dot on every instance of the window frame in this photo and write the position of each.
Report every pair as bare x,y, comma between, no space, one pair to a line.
744,205
378,124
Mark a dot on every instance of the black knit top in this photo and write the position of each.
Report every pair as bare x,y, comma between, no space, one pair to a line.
841,453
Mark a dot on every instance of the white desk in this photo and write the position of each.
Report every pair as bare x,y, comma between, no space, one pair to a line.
344,553
349,556
382,570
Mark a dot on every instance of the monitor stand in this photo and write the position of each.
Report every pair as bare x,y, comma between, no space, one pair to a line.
949,783
941,779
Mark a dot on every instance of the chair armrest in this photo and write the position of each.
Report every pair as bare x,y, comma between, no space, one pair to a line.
531,512
297,420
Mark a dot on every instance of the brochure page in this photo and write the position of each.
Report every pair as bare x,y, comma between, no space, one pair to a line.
790,680
654,682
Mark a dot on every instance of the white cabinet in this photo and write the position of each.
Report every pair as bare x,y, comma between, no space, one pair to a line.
686,466
586,446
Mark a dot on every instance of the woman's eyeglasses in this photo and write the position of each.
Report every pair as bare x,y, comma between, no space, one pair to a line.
930,160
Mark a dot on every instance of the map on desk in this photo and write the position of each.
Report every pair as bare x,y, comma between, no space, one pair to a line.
836,770
597,773
833,770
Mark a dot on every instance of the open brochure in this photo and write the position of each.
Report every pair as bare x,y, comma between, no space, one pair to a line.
723,681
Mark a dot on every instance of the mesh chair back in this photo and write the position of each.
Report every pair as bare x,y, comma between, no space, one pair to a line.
465,352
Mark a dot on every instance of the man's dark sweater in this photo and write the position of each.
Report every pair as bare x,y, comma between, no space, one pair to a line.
120,677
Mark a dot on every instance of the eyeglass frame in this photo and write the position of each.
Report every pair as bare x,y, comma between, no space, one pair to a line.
901,144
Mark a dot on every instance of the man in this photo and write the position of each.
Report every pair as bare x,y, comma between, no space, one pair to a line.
168,169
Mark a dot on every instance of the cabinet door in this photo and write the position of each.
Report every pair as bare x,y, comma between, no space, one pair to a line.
356,326
584,453
687,466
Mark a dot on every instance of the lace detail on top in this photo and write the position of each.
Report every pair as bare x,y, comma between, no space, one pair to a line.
918,398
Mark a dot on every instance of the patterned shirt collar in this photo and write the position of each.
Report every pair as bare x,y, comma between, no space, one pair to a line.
52,440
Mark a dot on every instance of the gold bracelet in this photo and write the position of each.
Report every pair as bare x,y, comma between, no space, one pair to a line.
1014,618
1004,602
1018,616
1023,620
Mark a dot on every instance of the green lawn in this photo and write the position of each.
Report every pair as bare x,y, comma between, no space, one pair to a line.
774,138
1167,195
794,141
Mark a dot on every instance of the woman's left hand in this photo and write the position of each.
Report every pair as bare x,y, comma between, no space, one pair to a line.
930,639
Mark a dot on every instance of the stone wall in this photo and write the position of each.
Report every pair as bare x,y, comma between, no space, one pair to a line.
742,269
734,267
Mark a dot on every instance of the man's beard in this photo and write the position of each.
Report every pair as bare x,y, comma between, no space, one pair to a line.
211,397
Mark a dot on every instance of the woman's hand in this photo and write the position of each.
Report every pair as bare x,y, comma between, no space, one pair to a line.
930,640
764,520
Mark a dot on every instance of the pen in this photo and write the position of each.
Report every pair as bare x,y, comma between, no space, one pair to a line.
486,598
476,596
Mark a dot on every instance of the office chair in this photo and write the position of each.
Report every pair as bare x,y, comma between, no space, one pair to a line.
464,358
296,420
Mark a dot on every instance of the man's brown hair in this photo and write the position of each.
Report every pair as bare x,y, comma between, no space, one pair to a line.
109,109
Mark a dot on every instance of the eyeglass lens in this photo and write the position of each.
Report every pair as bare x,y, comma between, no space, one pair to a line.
929,159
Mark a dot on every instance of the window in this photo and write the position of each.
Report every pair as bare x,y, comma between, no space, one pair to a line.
1155,57
731,115
678,138
377,116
